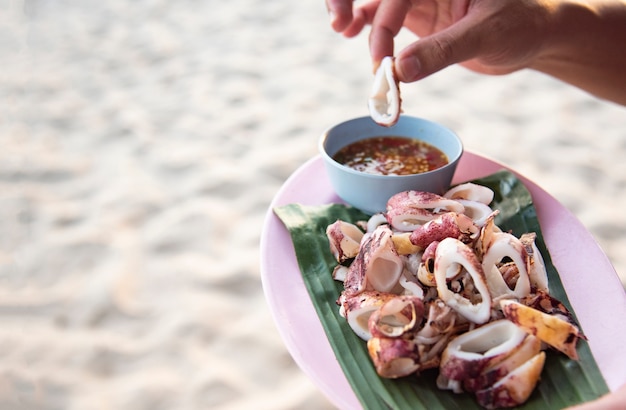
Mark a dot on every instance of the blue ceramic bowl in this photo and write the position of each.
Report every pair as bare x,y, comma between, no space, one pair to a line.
369,192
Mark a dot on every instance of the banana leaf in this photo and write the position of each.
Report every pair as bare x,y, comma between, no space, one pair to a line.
564,382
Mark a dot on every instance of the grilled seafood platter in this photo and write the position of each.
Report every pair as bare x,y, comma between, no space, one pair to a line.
434,283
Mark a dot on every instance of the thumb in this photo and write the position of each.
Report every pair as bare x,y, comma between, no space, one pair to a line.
457,43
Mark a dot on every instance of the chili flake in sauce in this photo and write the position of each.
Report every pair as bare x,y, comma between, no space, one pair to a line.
391,156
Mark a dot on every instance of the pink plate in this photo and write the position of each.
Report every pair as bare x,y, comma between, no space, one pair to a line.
590,280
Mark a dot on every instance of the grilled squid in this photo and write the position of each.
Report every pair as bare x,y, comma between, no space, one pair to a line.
529,348
488,232
448,225
441,324
384,101
426,271
450,255
393,357
409,283
374,221
433,282
537,273
441,320
514,388
391,347
377,265
467,355
477,211
357,310
554,329
471,192
505,246
396,316
345,240
499,362
408,210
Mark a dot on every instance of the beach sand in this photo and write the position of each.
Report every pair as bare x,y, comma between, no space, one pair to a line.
141,144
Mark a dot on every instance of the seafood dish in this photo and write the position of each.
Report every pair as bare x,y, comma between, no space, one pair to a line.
434,283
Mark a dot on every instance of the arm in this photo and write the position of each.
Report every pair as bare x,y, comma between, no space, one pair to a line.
581,42
587,48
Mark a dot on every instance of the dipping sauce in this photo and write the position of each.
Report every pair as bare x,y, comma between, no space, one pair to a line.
391,156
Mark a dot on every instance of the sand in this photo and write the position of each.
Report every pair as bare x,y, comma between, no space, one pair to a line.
141,144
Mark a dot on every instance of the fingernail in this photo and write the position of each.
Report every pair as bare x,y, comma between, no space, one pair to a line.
409,68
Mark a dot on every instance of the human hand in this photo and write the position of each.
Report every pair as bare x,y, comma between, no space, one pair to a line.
486,36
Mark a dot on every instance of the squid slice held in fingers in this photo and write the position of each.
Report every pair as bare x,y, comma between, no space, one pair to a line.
452,253
377,265
384,101
408,210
